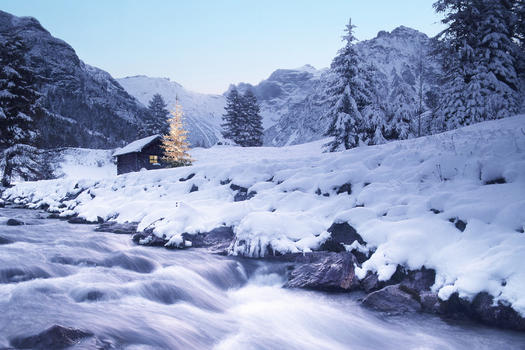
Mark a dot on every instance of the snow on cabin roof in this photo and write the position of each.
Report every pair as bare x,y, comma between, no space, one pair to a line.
136,146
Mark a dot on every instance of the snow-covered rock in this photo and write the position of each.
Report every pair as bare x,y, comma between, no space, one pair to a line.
405,200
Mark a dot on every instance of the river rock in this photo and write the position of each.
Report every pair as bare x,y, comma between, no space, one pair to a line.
419,280
328,271
149,239
55,337
429,302
118,228
14,222
393,299
81,220
4,240
340,234
371,282
216,241
483,309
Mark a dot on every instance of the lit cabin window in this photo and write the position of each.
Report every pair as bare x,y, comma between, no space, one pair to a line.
153,159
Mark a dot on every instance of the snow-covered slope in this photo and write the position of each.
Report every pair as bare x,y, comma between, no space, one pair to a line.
84,163
202,112
406,199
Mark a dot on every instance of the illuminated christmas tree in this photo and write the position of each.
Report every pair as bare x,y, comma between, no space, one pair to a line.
175,145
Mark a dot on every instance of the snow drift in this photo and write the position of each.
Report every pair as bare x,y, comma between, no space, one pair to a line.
454,202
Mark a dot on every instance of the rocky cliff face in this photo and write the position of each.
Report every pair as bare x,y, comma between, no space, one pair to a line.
88,108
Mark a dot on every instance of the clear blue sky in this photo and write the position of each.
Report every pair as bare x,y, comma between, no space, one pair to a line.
206,45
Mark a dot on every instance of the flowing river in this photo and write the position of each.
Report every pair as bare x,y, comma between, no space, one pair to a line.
134,297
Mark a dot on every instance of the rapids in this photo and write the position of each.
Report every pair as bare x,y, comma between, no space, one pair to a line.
136,297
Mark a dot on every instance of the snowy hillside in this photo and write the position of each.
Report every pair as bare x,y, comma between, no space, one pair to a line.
453,202
84,163
202,112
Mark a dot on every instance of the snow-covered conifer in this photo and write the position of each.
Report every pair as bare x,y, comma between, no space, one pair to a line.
18,112
157,122
347,97
481,62
231,126
253,119
402,108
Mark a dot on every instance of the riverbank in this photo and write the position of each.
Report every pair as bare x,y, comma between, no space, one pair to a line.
96,289
449,207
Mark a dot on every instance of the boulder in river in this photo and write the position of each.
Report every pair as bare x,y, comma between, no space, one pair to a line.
4,240
81,220
148,238
328,271
55,337
217,240
14,222
394,299
119,228
483,309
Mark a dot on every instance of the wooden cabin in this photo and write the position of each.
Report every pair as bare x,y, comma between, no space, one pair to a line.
145,153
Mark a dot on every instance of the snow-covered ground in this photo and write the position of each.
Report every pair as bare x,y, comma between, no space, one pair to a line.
403,196
84,163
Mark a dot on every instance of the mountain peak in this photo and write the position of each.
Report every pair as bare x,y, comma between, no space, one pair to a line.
400,32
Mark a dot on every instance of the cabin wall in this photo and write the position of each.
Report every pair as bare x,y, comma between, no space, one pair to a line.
126,163
153,149
140,160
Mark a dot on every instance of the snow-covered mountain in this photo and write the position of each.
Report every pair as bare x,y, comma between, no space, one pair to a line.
283,89
403,49
87,106
293,101
202,112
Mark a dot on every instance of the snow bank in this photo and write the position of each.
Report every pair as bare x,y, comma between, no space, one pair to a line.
84,163
408,201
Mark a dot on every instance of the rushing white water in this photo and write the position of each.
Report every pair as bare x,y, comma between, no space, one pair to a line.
135,297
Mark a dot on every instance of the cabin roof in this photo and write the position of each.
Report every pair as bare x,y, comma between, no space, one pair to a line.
136,146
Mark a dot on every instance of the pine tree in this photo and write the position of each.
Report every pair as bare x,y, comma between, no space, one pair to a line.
403,108
231,127
498,61
348,97
17,97
242,120
175,145
18,111
480,63
253,119
374,112
157,122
